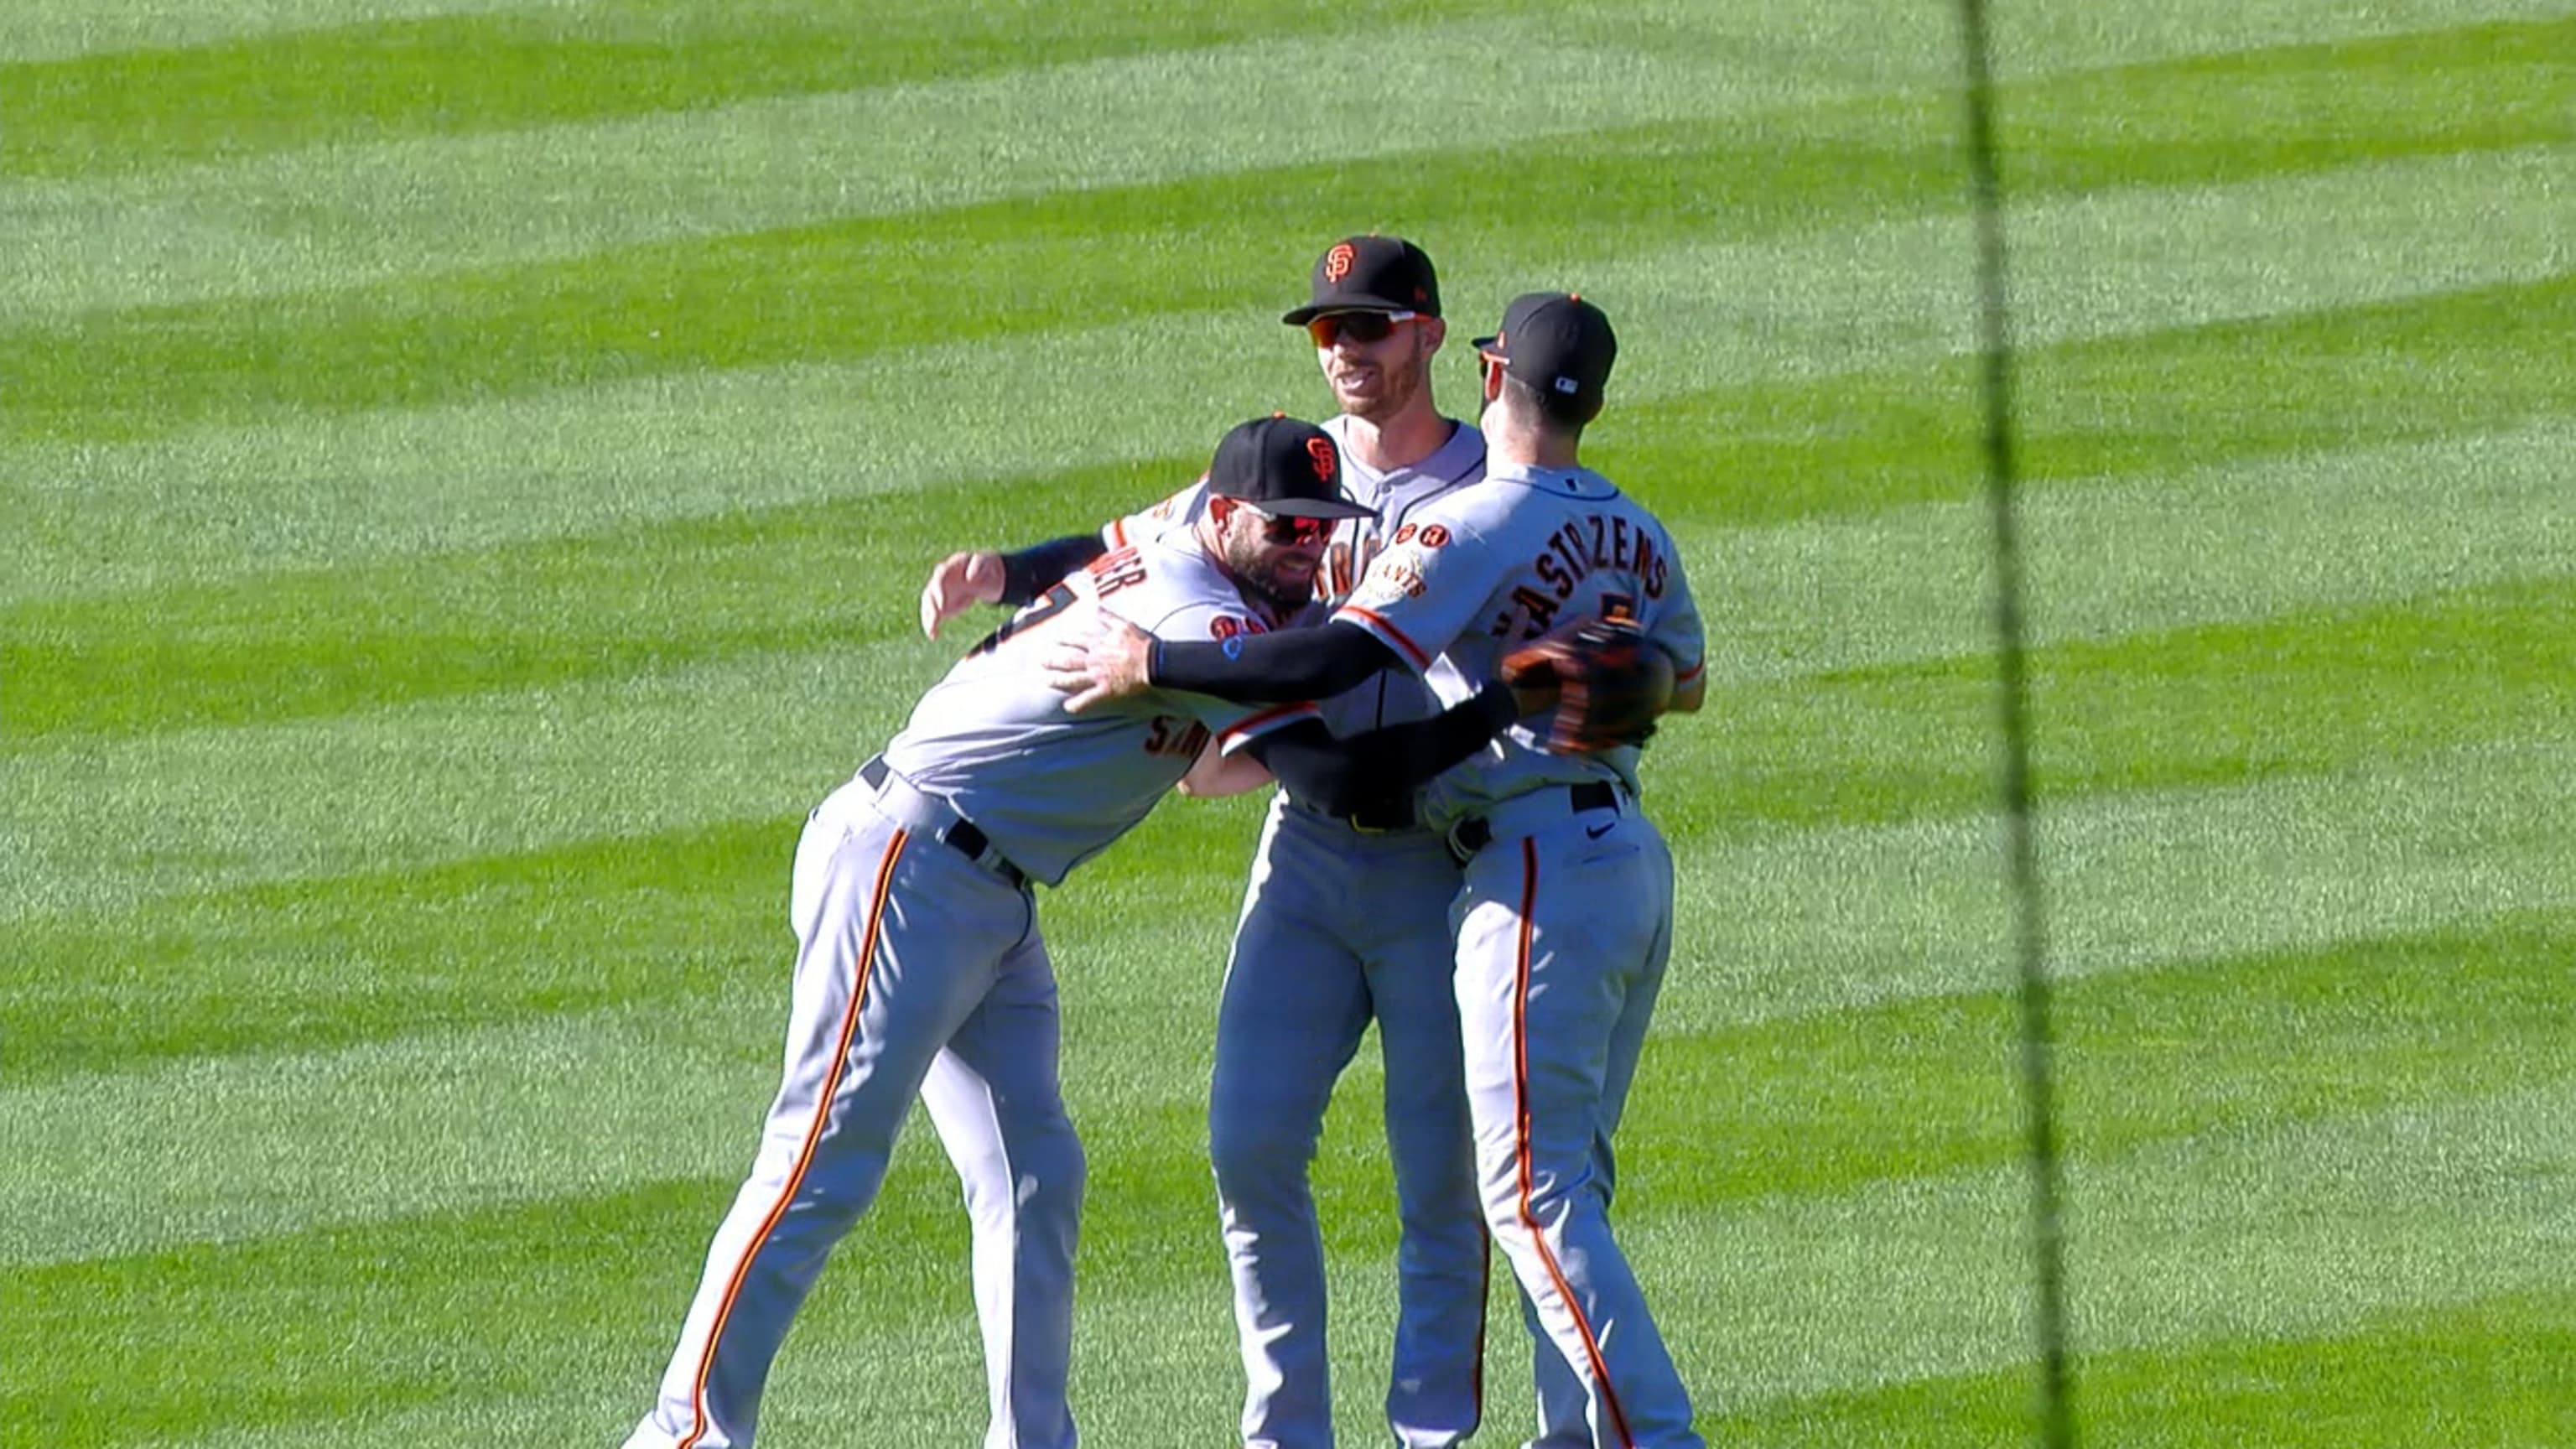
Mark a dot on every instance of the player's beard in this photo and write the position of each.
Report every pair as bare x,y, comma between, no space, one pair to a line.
1257,567
1399,382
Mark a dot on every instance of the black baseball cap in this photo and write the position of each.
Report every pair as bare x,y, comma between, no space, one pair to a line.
1558,343
1371,274
1283,467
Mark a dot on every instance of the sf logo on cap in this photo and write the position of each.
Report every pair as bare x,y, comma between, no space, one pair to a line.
1337,262
1321,450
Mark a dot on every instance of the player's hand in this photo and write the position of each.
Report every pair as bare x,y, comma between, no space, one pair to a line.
1108,664
958,583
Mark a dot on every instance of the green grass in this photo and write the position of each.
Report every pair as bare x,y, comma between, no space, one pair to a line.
466,468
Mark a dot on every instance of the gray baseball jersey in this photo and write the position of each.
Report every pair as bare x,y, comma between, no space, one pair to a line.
1480,571
1563,919
1341,927
1052,789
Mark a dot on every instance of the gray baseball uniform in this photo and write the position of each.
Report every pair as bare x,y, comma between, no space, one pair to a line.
1564,922
1341,925
920,970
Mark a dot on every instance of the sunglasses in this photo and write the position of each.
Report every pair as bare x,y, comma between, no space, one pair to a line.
1363,328
1279,529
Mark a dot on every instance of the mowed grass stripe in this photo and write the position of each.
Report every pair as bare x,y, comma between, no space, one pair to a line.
2483,1372
851,288
334,217
328,490
45,31
673,918
2184,1242
1804,920
526,67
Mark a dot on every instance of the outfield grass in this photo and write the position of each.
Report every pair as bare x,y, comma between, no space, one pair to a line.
466,464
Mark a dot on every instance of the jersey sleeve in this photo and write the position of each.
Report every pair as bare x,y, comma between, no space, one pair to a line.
1178,511
1232,725
1676,626
1426,587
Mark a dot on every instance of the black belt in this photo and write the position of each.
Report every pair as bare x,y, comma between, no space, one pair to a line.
1475,834
961,836
1382,817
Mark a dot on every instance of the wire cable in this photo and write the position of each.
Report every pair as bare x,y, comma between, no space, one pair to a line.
2029,905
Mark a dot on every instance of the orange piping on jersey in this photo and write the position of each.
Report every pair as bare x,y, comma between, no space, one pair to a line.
1378,625
1521,1127
813,1134
1118,533
1694,672
1253,724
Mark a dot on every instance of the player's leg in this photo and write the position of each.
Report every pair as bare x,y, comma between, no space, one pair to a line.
994,1098
1556,932
877,990
1291,1016
1564,1403
1435,1389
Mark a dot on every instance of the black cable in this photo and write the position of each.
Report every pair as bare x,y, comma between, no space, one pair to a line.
2030,916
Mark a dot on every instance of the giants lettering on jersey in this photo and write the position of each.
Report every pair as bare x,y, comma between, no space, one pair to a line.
1594,541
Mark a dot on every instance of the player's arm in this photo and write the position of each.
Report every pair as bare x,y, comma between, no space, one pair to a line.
1278,667
1687,698
1218,774
1346,776
1678,632
982,576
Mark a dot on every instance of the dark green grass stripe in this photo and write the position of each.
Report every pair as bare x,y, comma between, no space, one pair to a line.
2163,402
2489,1373
851,288
349,1323
1915,1088
296,645
511,70
2217,705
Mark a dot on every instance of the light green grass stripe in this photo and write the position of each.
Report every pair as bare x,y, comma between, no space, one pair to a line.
2286,1233
452,779
2114,559
336,216
224,501
38,30
1810,920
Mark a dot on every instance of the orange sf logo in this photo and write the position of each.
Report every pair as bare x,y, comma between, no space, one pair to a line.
1321,450
1337,262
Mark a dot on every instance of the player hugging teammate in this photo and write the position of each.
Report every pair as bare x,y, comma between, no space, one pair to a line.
1503,624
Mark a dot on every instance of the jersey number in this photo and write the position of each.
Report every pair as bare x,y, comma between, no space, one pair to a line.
1049,604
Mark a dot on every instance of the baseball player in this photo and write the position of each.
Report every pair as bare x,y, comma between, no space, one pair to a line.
1564,921
1345,920
920,969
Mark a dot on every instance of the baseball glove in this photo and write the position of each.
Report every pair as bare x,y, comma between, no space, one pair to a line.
1611,682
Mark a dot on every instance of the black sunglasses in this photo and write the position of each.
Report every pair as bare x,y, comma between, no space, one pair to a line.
1363,328
1278,528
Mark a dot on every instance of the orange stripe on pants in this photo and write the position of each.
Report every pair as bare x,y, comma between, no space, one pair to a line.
1521,1129
804,1153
